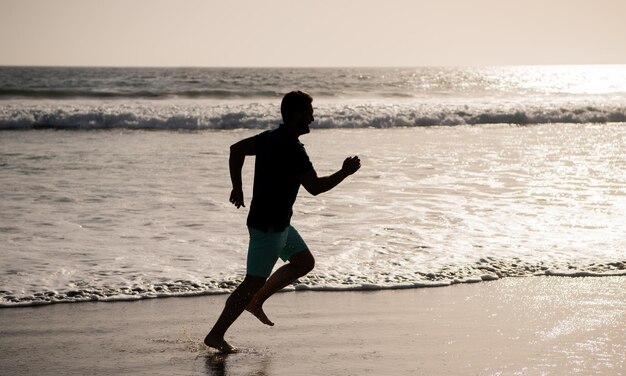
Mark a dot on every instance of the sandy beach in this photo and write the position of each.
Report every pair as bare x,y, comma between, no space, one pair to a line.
458,182
513,326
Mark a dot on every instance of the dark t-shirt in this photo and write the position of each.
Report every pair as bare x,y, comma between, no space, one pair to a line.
280,161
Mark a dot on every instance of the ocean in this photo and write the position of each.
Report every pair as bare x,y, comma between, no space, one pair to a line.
115,185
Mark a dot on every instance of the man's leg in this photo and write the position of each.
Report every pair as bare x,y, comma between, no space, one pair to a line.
235,305
299,264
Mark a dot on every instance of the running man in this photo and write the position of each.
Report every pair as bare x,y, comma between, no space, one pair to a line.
281,166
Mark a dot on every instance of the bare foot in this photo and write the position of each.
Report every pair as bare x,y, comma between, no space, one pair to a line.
257,311
220,344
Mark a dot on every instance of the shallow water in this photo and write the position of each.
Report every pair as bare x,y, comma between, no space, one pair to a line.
106,215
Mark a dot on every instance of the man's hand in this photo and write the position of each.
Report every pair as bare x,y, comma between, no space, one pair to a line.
236,198
351,165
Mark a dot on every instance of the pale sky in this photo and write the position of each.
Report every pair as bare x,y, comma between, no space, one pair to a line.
294,33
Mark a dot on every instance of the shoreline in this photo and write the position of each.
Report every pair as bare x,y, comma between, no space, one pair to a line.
542,325
330,288
486,269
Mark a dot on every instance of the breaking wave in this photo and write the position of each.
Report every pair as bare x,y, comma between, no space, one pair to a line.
266,115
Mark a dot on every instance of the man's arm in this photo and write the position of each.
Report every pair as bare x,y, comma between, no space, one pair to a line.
238,154
316,185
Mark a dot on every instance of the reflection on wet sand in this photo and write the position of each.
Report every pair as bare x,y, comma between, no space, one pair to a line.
243,363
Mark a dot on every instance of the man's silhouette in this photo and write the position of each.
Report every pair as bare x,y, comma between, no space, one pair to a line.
281,166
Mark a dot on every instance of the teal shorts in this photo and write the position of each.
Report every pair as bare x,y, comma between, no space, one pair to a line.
266,247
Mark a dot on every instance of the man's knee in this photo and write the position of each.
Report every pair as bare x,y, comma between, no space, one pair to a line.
253,283
304,261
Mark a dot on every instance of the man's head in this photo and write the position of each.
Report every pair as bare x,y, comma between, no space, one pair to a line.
297,111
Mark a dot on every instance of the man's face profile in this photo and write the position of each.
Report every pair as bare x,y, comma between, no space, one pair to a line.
304,118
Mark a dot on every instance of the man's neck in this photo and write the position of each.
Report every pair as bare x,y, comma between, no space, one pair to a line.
290,129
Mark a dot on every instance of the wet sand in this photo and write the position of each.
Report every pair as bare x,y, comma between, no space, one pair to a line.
513,326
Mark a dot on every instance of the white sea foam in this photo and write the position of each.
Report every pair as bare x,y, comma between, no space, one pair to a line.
199,115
